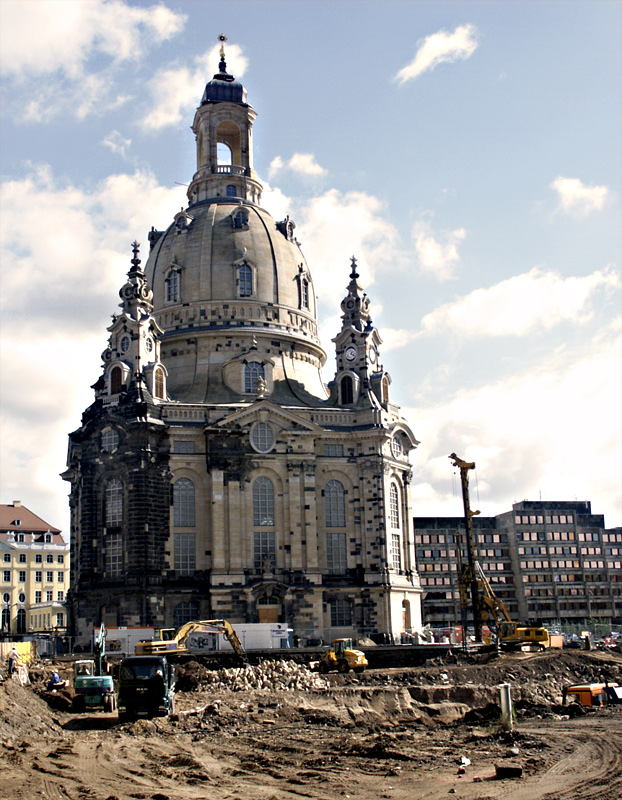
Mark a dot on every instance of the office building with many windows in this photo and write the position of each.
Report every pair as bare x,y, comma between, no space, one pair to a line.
549,561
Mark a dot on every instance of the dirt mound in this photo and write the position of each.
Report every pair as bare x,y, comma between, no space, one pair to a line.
24,715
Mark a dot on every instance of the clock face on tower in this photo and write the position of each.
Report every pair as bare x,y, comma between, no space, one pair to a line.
350,353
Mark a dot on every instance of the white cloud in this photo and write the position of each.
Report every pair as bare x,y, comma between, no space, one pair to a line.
117,143
63,261
333,228
555,430
438,259
176,90
275,202
75,50
520,305
301,163
394,338
62,36
578,199
439,48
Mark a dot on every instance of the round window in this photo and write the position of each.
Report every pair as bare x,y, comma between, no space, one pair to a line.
262,437
6,597
22,597
396,447
125,344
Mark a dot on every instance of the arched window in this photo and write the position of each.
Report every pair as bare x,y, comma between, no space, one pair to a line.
6,619
394,506
347,390
186,612
159,384
264,545
223,153
231,191
240,219
245,280
113,503
303,290
394,522
116,380
21,621
263,502
172,287
385,390
335,504
252,372
183,503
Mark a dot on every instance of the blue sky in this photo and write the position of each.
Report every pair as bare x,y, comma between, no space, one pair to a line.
468,153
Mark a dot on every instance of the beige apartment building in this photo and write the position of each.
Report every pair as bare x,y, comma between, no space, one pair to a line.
34,559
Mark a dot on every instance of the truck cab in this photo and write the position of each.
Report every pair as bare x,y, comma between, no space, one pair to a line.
92,690
146,687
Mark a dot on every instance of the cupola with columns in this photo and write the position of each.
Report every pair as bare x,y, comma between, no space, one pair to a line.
223,128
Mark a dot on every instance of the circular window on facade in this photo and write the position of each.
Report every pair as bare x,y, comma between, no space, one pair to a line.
110,440
6,597
22,597
125,344
396,447
262,437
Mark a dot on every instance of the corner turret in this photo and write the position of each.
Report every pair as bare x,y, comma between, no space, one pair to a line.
133,353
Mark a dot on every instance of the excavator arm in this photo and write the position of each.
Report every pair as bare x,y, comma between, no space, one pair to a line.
488,598
211,626
177,644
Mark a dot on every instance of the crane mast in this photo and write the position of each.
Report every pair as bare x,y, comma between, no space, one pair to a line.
467,573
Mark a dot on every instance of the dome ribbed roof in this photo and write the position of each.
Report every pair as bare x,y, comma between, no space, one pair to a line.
223,88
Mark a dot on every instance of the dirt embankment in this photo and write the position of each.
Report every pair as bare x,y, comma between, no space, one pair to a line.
280,732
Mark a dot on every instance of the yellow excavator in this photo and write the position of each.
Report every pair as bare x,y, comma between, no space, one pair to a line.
511,635
172,641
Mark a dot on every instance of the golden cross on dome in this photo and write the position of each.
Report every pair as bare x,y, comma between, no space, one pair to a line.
222,38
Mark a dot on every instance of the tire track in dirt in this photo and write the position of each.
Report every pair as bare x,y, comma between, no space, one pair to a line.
592,770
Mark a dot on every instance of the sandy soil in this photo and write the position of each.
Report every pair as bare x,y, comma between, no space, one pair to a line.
398,734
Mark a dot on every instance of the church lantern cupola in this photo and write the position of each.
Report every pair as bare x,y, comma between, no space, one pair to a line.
223,128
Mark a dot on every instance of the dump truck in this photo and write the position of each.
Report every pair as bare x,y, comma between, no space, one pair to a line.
146,687
172,642
93,686
342,658
593,694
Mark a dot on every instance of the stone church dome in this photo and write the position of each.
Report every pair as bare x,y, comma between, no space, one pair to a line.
208,248
228,279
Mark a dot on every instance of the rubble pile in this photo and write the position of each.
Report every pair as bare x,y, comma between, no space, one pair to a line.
269,676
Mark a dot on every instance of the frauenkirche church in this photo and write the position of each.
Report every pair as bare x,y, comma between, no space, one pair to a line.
216,475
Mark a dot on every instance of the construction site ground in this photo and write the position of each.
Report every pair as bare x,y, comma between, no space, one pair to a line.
274,733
